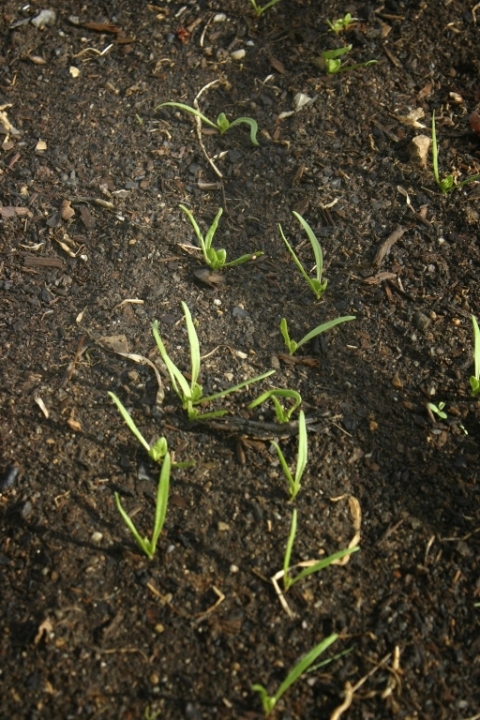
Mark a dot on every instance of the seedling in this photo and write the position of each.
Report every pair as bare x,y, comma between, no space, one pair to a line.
269,701
294,482
159,449
260,10
293,346
438,410
215,259
222,124
475,379
191,394
282,415
448,182
309,566
341,24
317,285
149,546
331,61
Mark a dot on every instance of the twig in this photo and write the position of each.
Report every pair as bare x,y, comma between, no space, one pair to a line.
198,124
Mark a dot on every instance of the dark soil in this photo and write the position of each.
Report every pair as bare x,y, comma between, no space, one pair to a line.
90,628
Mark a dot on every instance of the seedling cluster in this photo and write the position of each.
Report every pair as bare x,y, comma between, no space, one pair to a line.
285,401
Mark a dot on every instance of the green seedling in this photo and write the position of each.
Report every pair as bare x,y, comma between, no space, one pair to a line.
216,259
438,410
331,61
222,124
158,450
269,701
342,24
475,379
191,393
302,456
309,566
448,182
149,546
260,10
293,346
317,285
282,415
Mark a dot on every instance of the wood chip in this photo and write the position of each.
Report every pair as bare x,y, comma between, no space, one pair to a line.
387,245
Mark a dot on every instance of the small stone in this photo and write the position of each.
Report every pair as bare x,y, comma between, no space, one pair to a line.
44,18
223,527
96,537
238,54
420,320
418,150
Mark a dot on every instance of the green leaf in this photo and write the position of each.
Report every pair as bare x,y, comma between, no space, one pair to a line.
316,247
268,703
285,468
213,228
188,109
194,353
162,501
222,123
334,54
244,259
179,382
476,347
241,385
129,421
291,345
196,228
142,542
253,127
322,564
302,452
287,581
158,450
323,328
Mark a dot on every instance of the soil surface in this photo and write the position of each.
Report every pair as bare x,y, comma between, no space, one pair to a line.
94,248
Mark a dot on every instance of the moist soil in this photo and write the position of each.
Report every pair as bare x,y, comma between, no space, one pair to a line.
94,248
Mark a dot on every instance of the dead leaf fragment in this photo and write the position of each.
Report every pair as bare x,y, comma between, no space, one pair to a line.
9,211
45,627
277,65
412,118
418,150
474,121
116,343
87,218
